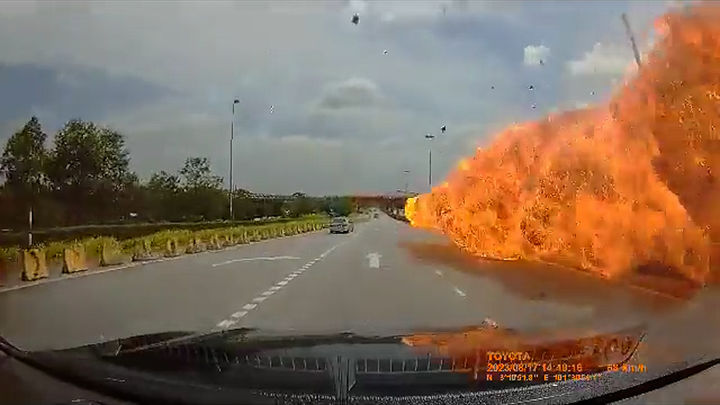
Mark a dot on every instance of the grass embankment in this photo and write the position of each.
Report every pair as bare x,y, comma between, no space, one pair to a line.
122,231
239,234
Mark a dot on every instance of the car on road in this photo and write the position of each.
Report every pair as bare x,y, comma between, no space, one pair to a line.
341,225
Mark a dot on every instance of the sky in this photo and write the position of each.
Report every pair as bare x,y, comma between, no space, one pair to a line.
325,106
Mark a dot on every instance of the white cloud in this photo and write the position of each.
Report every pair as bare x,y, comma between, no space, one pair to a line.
293,55
534,55
354,92
358,6
603,59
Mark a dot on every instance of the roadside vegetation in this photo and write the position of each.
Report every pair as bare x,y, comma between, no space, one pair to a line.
84,177
81,187
158,241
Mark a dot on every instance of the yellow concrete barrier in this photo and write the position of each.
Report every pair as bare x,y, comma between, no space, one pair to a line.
33,265
171,248
110,254
214,243
195,246
143,251
225,241
74,259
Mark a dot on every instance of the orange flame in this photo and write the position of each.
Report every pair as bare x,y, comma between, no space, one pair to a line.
606,189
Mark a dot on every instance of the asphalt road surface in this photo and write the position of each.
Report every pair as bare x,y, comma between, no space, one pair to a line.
385,277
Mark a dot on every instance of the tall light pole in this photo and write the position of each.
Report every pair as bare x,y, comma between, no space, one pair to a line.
406,172
430,137
232,130
631,37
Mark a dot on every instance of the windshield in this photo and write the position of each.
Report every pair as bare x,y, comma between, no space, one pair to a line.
380,168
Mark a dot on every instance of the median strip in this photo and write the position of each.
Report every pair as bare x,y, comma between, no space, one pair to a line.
101,246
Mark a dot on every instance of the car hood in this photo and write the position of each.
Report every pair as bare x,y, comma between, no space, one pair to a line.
480,363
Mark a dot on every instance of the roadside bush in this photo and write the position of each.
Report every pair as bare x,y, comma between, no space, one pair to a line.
8,255
239,234
129,231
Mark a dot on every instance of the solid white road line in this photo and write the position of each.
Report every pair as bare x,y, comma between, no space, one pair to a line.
459,292
252,259
248,307
239,314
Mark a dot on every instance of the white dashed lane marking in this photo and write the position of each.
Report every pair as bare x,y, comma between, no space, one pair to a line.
459,292
227,323
439,273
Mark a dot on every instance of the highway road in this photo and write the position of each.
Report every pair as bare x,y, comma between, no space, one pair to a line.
386,277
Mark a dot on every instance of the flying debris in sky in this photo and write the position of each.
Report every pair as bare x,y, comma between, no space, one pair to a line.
442,129
272,108
592,93
385,52
533,106
356,19
492,87
542,62
531,87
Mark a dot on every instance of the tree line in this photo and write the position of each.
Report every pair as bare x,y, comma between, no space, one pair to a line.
84,177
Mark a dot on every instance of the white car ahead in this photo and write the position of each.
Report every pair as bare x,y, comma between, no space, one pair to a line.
341,225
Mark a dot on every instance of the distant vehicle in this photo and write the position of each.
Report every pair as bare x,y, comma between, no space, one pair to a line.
341,225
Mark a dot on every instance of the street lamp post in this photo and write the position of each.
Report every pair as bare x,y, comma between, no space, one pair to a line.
430,137
406,172
232,130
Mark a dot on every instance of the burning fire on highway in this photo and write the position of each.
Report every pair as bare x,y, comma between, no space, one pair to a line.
608,189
